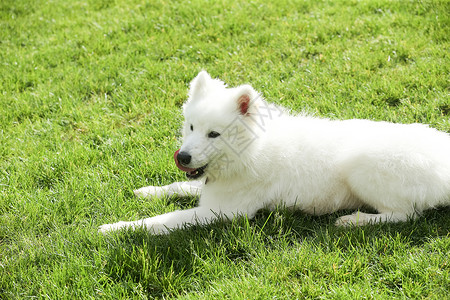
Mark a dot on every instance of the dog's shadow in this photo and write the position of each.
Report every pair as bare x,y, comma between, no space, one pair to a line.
161,264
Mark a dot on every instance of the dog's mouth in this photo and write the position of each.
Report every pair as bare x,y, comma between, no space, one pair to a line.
191,173
196,173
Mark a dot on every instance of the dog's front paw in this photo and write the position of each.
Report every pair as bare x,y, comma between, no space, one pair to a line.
148,192
151,227
105,228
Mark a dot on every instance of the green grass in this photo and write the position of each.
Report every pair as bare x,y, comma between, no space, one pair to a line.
90,96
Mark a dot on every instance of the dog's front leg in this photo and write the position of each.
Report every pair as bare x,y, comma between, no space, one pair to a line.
182,189
163,223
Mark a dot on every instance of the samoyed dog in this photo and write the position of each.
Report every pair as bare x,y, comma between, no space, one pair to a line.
243,154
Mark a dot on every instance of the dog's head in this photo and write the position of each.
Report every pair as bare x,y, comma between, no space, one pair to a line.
218,128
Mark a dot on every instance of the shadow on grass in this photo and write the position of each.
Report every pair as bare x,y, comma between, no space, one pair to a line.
188,259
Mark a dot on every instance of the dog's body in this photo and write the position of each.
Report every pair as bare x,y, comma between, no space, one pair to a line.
248,155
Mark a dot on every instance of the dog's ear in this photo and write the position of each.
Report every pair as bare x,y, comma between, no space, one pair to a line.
244,99
244,103
198,84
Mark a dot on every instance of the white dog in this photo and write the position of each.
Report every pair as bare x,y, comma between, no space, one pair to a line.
248,154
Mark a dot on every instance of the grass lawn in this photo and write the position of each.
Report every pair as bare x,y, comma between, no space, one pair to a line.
90,96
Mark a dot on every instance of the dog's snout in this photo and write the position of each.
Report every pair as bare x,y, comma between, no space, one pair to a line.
184,158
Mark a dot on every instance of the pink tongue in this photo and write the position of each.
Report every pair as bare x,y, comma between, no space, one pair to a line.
182,168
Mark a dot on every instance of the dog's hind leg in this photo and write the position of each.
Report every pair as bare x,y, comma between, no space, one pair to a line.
181,189
360,219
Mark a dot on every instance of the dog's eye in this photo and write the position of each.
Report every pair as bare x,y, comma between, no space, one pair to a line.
192,127
213,134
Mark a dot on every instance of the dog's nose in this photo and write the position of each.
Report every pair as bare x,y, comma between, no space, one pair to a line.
184,158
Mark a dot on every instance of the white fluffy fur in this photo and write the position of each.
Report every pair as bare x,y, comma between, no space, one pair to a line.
265,157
